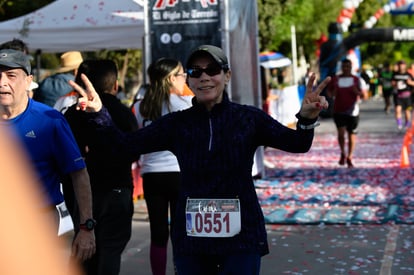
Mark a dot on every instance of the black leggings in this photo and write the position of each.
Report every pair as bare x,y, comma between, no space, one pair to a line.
160,192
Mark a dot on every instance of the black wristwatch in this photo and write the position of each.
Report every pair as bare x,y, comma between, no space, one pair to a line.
89,225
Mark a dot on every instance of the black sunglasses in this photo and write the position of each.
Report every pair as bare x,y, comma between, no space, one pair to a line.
210,70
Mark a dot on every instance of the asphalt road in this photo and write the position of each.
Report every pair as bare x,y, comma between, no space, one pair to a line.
382,249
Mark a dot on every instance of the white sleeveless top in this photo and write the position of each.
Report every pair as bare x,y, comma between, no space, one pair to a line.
163,161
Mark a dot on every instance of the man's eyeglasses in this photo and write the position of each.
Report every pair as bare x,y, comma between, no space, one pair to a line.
197,72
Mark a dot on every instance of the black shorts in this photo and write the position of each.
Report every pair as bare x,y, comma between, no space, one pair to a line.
404,102
350,122
387,93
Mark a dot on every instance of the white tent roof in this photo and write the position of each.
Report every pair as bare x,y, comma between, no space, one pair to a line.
83,25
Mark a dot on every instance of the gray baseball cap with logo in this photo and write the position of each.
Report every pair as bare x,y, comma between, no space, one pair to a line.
15,59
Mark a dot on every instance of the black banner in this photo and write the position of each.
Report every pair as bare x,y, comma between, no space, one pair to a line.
177,26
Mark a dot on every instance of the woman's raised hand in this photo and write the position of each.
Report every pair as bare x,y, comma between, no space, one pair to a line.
313,102
88,100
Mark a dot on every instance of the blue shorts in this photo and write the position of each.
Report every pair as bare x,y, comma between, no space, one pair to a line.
240,264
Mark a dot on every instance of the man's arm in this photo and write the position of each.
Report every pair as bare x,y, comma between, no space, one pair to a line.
410,81
331,88
84,244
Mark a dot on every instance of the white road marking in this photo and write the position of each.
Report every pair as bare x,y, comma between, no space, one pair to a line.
389,251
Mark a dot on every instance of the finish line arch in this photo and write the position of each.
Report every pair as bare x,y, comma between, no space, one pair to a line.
336,48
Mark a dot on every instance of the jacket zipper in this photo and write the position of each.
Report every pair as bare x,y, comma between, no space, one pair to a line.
211,135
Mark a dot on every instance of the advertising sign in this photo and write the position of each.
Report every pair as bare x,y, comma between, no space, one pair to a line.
177,26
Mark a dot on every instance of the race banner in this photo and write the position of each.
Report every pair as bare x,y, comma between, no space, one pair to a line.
177,26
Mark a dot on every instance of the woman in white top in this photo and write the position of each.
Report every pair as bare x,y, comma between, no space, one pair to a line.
160,170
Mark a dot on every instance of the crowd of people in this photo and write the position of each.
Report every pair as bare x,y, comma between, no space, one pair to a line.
394,82
194,145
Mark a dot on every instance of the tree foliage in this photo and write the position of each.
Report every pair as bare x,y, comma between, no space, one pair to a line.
375,52
311,19
12,8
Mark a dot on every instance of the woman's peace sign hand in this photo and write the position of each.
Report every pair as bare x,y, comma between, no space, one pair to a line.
88,100
313,102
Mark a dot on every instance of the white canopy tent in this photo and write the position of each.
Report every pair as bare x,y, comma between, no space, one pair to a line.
82,25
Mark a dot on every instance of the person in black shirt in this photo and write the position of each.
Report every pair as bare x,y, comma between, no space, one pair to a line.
111,177
403,83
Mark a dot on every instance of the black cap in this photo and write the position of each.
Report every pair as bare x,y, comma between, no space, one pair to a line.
15,59
215,52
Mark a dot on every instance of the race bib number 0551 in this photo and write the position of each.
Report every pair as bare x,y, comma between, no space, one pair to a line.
213,217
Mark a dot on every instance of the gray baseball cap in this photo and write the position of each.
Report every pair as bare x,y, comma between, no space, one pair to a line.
215,52
15,59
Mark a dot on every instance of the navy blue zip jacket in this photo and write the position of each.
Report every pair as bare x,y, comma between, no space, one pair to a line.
215,150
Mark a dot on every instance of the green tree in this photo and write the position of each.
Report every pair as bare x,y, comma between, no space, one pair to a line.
376,53
311,19
13,8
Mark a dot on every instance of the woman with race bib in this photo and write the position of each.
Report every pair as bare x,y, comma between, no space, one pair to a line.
219,226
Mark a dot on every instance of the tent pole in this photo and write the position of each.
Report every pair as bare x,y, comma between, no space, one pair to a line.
147,41
294,55
37,56
225,38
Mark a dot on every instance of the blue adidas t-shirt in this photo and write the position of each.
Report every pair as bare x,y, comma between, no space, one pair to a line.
51,146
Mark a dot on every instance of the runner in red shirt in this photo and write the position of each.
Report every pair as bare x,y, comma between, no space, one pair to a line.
346,90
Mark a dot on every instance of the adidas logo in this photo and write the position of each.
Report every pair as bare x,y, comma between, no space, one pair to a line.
31,134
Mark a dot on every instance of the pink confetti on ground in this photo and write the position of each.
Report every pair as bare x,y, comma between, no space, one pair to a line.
314,188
